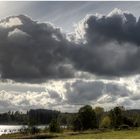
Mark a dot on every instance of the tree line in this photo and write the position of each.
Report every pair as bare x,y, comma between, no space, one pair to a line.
86,118
116,118
31,117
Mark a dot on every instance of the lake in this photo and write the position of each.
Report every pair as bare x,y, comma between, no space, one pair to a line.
6,129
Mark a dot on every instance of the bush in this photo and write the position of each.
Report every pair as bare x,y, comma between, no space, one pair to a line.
34,130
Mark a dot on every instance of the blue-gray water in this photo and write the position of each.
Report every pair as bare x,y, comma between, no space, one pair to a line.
6,129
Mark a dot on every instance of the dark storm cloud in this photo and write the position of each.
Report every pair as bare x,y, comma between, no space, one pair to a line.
117,25
31,50
108,46
111,44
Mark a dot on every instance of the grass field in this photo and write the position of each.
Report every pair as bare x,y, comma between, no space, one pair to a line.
128,134
110,134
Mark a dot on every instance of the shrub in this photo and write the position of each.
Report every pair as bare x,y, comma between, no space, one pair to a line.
34,130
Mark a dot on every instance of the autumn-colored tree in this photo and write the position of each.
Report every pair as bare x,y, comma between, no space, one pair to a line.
99,113
106,122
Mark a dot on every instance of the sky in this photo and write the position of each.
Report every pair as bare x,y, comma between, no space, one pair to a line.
69,11
63,55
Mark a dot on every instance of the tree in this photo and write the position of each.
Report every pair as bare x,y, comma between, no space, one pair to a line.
41,116
66,119
77,124
106,122
116,116
99,113
54,126
87,117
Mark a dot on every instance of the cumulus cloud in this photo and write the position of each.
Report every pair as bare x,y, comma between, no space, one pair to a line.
108,45
10,22
95,59
67,95
32,50
81,92
117,25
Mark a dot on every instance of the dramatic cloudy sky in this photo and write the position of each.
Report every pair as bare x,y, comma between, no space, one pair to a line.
62,55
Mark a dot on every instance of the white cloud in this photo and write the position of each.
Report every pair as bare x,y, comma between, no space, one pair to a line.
70,95
11,22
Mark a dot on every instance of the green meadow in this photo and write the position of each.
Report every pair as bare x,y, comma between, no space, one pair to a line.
93,134
123,134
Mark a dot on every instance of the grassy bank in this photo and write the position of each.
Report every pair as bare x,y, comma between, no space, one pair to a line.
110,134
36,136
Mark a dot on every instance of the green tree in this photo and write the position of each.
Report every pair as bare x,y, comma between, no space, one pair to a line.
54,126
87,117
116,117
66,119
77,124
